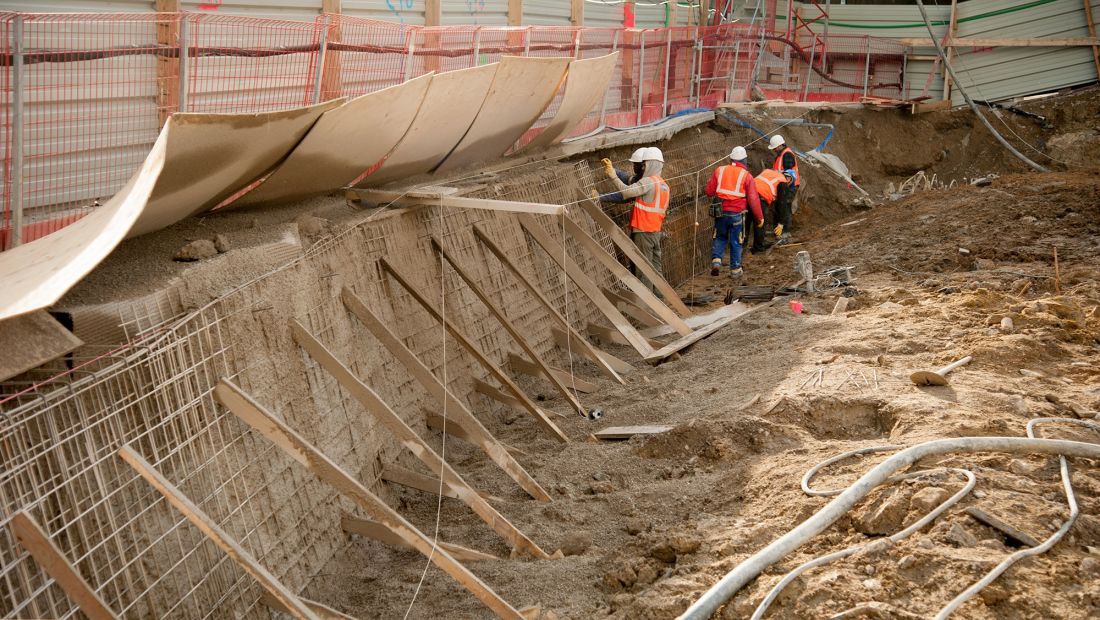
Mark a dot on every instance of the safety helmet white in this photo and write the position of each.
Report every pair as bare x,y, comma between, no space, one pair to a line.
739,154
638,156
654,153
776,142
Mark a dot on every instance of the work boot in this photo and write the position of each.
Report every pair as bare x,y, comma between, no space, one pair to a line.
715,266
783,239
737,273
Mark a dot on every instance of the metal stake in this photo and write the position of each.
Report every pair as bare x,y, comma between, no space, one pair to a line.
185,50
17,84
319,70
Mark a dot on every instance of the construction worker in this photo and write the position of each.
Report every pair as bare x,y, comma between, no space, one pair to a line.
734,186
650,195
787,163
768,184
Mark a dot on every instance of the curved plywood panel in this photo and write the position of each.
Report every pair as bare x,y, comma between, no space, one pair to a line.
210,156
450,107
521,90
585,87
35,275
342,144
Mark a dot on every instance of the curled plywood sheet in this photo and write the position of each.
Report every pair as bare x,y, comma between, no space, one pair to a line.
449,108
31,340
35,275
211,156
342,144
521,90
584,88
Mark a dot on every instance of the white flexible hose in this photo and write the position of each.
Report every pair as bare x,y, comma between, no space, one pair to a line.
749,569
840,457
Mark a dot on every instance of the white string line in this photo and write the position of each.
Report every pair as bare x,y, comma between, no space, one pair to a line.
565,284
443,450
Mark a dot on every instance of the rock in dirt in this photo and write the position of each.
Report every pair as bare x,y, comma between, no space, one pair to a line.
907,562
622,577
884,517
603,486
634,526
926,499
1089,567
957,535
576,543
673,546
196,250
221,244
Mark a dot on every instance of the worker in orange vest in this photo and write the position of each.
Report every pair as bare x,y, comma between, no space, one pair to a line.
734,186
651,198
787,163
768,186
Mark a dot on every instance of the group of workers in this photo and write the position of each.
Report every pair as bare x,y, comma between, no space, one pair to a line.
736,192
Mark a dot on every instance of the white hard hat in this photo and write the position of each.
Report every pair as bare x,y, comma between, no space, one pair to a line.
638,156
654,153
739,154
776,142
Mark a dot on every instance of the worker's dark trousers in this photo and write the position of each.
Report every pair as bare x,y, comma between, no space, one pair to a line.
755,233
649,244
782,206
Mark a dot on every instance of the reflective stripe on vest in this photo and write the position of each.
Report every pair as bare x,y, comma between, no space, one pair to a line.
648,216
767,184
778,166
727,189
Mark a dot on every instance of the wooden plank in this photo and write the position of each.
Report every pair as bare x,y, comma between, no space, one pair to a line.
379,532
376,196
935,106
572,341
527,404
554,250
323,611
417,481
457,411
515,12
632,311
516,335
626,432
982,42
37,542
435,422
648,299
576,13
627,247
1092,34
373,403
519,364
608,334
266,424
950,51
216,534
584,347
702,320
1019,536
701,333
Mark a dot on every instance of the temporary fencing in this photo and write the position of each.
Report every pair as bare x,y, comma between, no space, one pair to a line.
84,95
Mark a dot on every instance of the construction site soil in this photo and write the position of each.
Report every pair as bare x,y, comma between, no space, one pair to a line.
647,524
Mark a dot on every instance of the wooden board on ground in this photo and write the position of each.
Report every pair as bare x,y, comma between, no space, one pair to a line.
46,554
700,320
31,340
381,533
1019,536
699,334
626,432
457,411
296,447
216,534
585,85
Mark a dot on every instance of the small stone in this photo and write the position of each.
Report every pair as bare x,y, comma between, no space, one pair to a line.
958,536
872,584
907,562
647,574
964,251
576,543
1027,219
1089,567
1007,325
869,569
926,543
221,244
602,487
634,526
601,476
994,593
926,499
979,494
196,250
1019,405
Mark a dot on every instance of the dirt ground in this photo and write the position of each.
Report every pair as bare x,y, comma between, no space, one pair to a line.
650,523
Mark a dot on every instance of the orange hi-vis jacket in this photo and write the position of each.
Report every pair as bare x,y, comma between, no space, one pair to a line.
767,184
731,182
648,216
779,165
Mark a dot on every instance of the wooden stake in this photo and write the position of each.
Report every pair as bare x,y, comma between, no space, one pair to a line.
457,412
521,365
505,380
408,437
266,424
216,534
381,533
34,539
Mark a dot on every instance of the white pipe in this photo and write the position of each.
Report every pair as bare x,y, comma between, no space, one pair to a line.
748,570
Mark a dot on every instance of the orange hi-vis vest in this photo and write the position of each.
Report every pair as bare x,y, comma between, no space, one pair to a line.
648,216
731,182
767,184
779,165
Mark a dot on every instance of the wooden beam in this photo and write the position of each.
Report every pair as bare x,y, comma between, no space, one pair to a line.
377,196
433,12
457,411
486,389
416,481
626,432
701,333
266,424
950,51
373,403
584,347
332,83
610,334
515,12
505,322
331,6
1092,34
701,320
983,42
473,349
633,311
521,365
554,250
168,66
435,422
576,13
381,533
571,341
323,611
216,534
1018,535
37,542
627,247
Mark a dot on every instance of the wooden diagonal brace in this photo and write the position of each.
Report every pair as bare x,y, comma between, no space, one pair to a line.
324,612
296,447
381,533
457,412
445,200
634,311
701,333
415,444
571,341
519,364
428,484
473,349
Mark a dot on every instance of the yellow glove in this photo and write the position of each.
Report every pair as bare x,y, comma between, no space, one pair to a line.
608,169
778,230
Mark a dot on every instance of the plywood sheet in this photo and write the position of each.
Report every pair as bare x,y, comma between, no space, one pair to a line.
211,156
31,340
521,90
449,108
585,87
343,144
35,275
